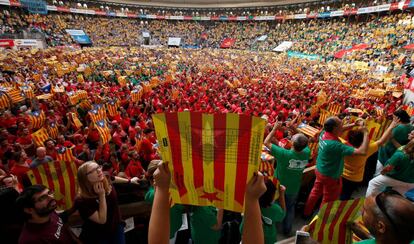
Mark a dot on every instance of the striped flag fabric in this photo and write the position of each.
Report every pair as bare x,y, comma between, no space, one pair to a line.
85,105
65,154
37,119
212,156
330,225
334,108
39,137
72,98
112,107
53,130
81,94
59,177
104,131
97,113
75,120
28,92
323,115
13,93
308,130
136,94
313,146
4,101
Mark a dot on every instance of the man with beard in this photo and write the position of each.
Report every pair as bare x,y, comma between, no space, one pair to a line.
42,224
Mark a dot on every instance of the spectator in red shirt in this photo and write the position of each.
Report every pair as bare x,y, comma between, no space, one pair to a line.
26,139
134,168
62,142
20,167
50,148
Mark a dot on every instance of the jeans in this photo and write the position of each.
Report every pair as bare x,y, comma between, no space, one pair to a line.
290,213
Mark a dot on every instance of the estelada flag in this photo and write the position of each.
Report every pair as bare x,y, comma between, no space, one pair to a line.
53,130
59,176
37,119
308,130
112,107
211,156
39,137
97,113
331,224
104,131
65,154
13,93
227,42
136,94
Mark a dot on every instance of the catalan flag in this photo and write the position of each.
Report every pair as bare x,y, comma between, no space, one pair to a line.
59,177
75,120
97,113
85,104
104,131
136,94
65,154
53,130
37,119
72,98
212,156
313,146
331,223
112,107
308,130
323,115
39,137
28,92
409,109
4,101
373,129
81,94
13,93
334,108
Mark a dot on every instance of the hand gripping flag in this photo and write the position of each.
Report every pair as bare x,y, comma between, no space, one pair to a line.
59,177
211,156
331,223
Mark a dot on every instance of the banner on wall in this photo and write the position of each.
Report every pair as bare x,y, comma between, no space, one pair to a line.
174,41
286,45
79,36
211,157
292,54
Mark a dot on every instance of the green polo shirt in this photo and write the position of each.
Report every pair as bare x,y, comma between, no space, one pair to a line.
290,166
202,220
403,167
330,160
400,134
176,212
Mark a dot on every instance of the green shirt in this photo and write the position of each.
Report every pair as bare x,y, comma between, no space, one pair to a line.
202,220
400,134
367,241
403,167
330,160
290,166
176,212
270,216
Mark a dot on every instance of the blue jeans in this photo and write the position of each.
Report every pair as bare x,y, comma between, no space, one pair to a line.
290,213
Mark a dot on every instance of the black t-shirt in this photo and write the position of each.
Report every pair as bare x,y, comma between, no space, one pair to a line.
92,231
53,231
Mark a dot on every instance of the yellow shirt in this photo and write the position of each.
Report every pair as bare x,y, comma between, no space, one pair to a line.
354,167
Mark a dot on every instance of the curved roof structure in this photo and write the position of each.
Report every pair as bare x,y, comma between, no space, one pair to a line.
209,3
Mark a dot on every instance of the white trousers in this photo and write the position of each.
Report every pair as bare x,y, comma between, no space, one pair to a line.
379,183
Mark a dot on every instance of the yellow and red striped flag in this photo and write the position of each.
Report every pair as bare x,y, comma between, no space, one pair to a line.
331,223
4,101
75,120
39,137
37,119
72,98
13,93
104,131
334,108
85,104
136,94
81,94
212,156
323,115
28,92
97,113
308,130
313,146
53,130
112,107
59,177
65,154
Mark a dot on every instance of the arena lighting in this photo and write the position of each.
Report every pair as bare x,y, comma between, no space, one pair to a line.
60,3
85,6
328,8
79,5
126,10
54,2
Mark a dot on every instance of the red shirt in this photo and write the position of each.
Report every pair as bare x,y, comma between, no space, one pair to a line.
134,169
25,140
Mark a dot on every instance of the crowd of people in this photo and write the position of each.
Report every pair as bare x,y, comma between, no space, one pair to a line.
287,92
385,35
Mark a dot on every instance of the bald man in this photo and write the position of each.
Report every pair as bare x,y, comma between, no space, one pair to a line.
41,158
289,170
330,163
389,217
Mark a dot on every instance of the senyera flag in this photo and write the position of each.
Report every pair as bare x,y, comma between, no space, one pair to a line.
211,156
59,176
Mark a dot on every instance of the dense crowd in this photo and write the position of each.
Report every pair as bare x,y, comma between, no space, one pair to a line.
385,35
287,92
